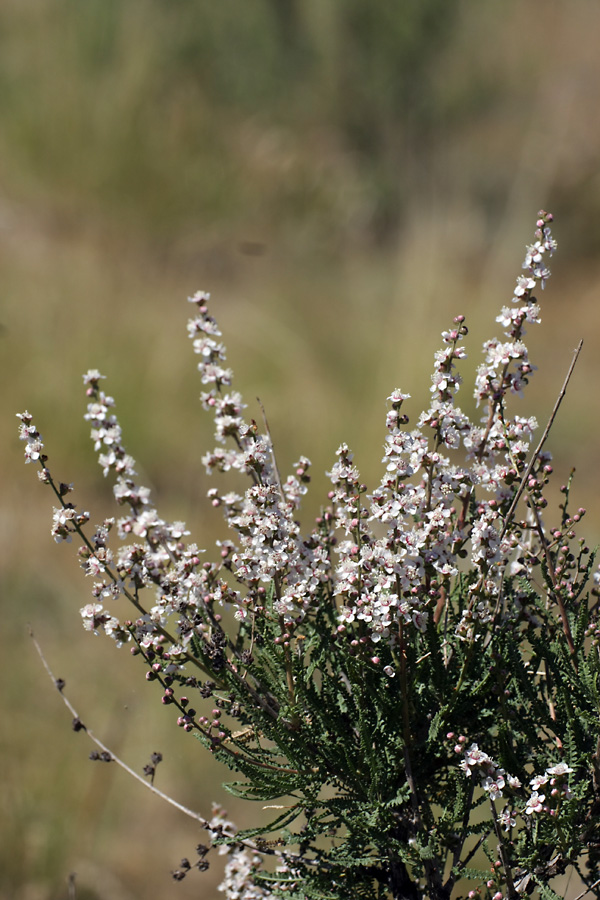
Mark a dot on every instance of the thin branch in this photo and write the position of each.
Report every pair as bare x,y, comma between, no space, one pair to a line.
535,512
539,447
273,457
104,748
588,891
510,884
555,586
267,851
456,863
465,862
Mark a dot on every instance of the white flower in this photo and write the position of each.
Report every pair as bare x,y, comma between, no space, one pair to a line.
494,784
507,818
559,770
537,781
535,803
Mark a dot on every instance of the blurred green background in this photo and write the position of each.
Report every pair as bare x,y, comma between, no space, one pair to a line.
344,176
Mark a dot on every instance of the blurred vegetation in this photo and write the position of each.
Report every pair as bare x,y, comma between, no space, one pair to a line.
344,176
193,114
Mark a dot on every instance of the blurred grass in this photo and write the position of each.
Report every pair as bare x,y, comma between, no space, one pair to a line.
344,178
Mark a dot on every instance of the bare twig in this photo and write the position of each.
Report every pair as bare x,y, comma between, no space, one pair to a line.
555,586
535,511
273,457
589,890
59,686
539,447
113,758
289,858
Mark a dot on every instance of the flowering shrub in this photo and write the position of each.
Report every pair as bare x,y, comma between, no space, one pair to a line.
412,684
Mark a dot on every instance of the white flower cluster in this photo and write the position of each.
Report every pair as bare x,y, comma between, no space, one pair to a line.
380,581
384,560
34,447
423,498
271,549
495,781
383,564
554,776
